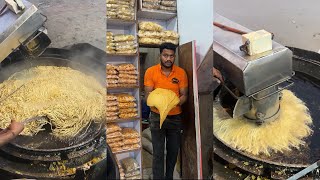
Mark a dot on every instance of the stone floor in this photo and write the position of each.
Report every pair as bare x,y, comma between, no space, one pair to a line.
74,21
147,162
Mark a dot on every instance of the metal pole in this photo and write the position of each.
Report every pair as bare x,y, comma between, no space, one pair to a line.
305,171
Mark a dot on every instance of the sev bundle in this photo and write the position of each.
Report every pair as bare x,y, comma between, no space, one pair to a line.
70,100
283,134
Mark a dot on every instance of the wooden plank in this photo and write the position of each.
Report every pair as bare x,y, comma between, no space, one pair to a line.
188,146
206,128
206,85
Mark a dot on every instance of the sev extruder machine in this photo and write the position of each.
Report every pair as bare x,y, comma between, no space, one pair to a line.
253,90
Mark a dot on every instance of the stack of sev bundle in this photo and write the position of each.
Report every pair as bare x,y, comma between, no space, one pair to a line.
123,75
114,137
150,33
164,5
128,75
170,37
110,49
123,9
112,76
131,139
127,106
151,4
125,44
168,5
122,139
121,44
112,108
121,106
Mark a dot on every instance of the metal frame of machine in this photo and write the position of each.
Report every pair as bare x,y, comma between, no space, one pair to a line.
23,31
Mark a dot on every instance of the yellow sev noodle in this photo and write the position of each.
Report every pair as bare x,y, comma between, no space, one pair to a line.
281,135
69,98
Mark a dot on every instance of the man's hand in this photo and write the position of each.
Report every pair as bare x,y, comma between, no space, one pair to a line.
217,74
16,127
147,91
183,95
8,134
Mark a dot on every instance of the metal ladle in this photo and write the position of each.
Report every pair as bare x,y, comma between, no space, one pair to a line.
26,121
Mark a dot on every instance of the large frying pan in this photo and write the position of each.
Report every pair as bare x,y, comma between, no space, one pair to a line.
307,88
82,57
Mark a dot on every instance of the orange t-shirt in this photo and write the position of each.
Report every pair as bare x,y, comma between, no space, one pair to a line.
154,77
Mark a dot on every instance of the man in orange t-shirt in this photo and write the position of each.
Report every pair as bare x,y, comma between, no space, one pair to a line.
166,75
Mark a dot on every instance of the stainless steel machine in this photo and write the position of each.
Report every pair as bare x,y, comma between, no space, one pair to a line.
22,32
252,89
259,79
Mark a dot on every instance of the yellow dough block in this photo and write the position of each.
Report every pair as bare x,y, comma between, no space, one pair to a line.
260,41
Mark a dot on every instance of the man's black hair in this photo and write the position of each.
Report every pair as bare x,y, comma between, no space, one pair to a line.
169,46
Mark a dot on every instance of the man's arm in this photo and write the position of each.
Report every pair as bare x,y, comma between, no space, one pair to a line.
183,89
217,74
148,83
147,91
183,95
14,129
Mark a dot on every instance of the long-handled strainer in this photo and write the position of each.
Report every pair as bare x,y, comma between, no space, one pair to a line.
26,121
5,98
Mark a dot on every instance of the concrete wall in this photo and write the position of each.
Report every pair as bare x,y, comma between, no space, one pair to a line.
195,23
294,22
74,21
